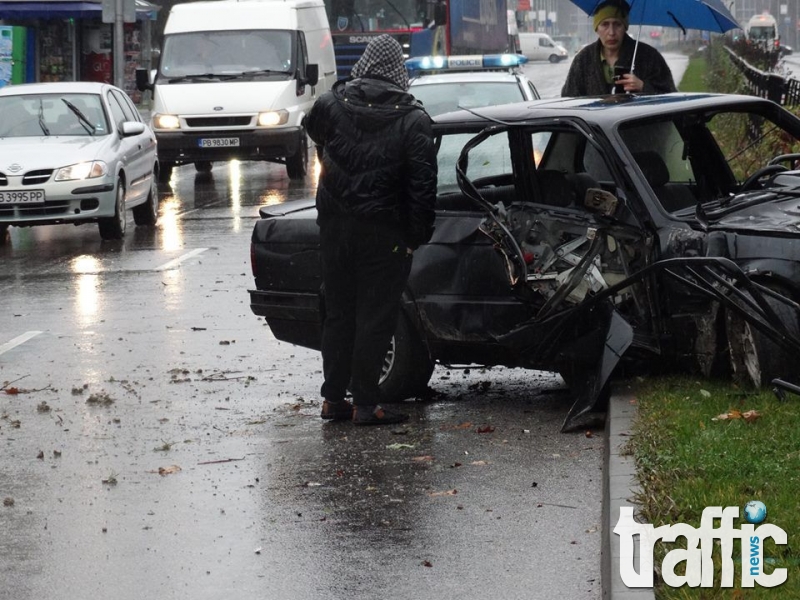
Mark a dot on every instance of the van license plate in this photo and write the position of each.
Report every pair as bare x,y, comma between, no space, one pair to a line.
22,197
218,142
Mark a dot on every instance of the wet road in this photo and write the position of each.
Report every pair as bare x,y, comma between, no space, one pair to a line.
158,442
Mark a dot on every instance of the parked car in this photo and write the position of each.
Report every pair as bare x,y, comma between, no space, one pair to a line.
573,233
75,152
444,84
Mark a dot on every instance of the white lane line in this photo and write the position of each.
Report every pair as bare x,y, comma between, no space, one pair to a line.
20,339
176,261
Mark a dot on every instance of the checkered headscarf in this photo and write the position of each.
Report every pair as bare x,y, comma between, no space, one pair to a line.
384,57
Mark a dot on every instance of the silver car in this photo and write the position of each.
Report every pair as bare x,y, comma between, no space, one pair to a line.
75,152
444,84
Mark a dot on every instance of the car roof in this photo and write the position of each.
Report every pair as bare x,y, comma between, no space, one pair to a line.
468,77
604,110
55,87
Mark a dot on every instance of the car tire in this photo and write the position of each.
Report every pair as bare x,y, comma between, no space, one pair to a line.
203,166
165,172
147,213
113,228
755,359
554,58
297,164
407,367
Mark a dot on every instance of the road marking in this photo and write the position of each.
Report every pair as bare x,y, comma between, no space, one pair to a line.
175,262
20,339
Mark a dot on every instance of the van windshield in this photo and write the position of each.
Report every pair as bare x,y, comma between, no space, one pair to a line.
226,53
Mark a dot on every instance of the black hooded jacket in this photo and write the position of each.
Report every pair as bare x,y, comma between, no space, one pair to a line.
378,156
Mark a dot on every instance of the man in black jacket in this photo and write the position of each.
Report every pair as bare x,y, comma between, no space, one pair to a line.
604,67
375,206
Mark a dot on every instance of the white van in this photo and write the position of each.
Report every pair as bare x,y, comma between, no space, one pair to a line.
235,80
540,46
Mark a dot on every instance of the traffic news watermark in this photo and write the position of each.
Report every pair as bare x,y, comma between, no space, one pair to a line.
700,543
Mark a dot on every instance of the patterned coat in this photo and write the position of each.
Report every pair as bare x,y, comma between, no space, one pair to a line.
586,77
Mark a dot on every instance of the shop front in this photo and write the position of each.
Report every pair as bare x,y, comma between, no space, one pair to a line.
68,41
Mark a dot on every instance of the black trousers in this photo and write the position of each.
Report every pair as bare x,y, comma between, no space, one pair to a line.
365,268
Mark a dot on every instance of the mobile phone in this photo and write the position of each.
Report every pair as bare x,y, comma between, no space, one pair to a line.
619,71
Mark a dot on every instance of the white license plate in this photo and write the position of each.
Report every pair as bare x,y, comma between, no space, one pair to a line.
217,142
22,197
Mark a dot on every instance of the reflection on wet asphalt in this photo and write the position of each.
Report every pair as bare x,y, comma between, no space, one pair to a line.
158,442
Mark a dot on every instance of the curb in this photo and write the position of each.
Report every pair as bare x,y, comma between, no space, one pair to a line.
619,487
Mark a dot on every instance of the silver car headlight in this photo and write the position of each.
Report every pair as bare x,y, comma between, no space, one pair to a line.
273,118
166,122
84,170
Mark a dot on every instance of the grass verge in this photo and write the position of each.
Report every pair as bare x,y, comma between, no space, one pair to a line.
689,456
694,78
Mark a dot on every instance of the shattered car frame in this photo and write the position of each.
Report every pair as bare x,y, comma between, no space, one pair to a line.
573,234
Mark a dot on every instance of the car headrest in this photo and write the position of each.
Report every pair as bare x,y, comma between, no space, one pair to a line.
653,168
555,188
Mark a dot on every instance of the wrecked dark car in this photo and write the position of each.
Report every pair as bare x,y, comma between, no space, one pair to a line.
656,233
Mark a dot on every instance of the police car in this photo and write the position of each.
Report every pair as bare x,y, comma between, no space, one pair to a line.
447,83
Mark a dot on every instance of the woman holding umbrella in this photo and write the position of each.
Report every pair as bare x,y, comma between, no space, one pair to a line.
616,63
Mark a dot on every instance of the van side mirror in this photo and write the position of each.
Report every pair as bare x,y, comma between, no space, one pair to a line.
440,13
312,74
143,81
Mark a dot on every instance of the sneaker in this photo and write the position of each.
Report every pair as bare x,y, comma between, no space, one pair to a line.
372,414
336,411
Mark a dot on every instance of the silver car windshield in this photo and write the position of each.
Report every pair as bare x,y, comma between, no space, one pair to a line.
31,115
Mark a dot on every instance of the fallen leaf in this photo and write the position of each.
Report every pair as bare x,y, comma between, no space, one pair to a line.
485,429
479,463
8,501
426,458
399,446
444,493
426,563
465,425
12,391
751,415
731,414
705,393
168,470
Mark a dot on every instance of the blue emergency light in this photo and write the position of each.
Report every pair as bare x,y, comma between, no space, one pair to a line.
466,62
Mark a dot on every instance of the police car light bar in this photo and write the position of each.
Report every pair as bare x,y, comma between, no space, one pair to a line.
465,62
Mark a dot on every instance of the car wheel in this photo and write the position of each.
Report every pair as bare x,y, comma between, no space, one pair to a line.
407,367
297,164
203,166
113,228
147,213
165,172
755,359
554,58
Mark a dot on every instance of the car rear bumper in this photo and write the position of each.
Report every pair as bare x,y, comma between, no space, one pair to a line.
185,146
293,317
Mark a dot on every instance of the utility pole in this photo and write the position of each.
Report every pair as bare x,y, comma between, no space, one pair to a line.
119,12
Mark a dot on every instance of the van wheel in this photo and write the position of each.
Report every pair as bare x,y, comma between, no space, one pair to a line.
553,58
407,367
113,228
203,166
147,213
297,164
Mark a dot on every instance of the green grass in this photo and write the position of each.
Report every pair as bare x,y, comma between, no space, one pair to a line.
688,459
694,78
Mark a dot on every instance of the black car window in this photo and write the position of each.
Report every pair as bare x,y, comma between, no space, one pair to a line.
490,159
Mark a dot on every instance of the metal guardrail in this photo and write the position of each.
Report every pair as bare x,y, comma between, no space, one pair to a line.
777,88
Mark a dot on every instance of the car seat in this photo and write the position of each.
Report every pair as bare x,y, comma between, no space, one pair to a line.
673,196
